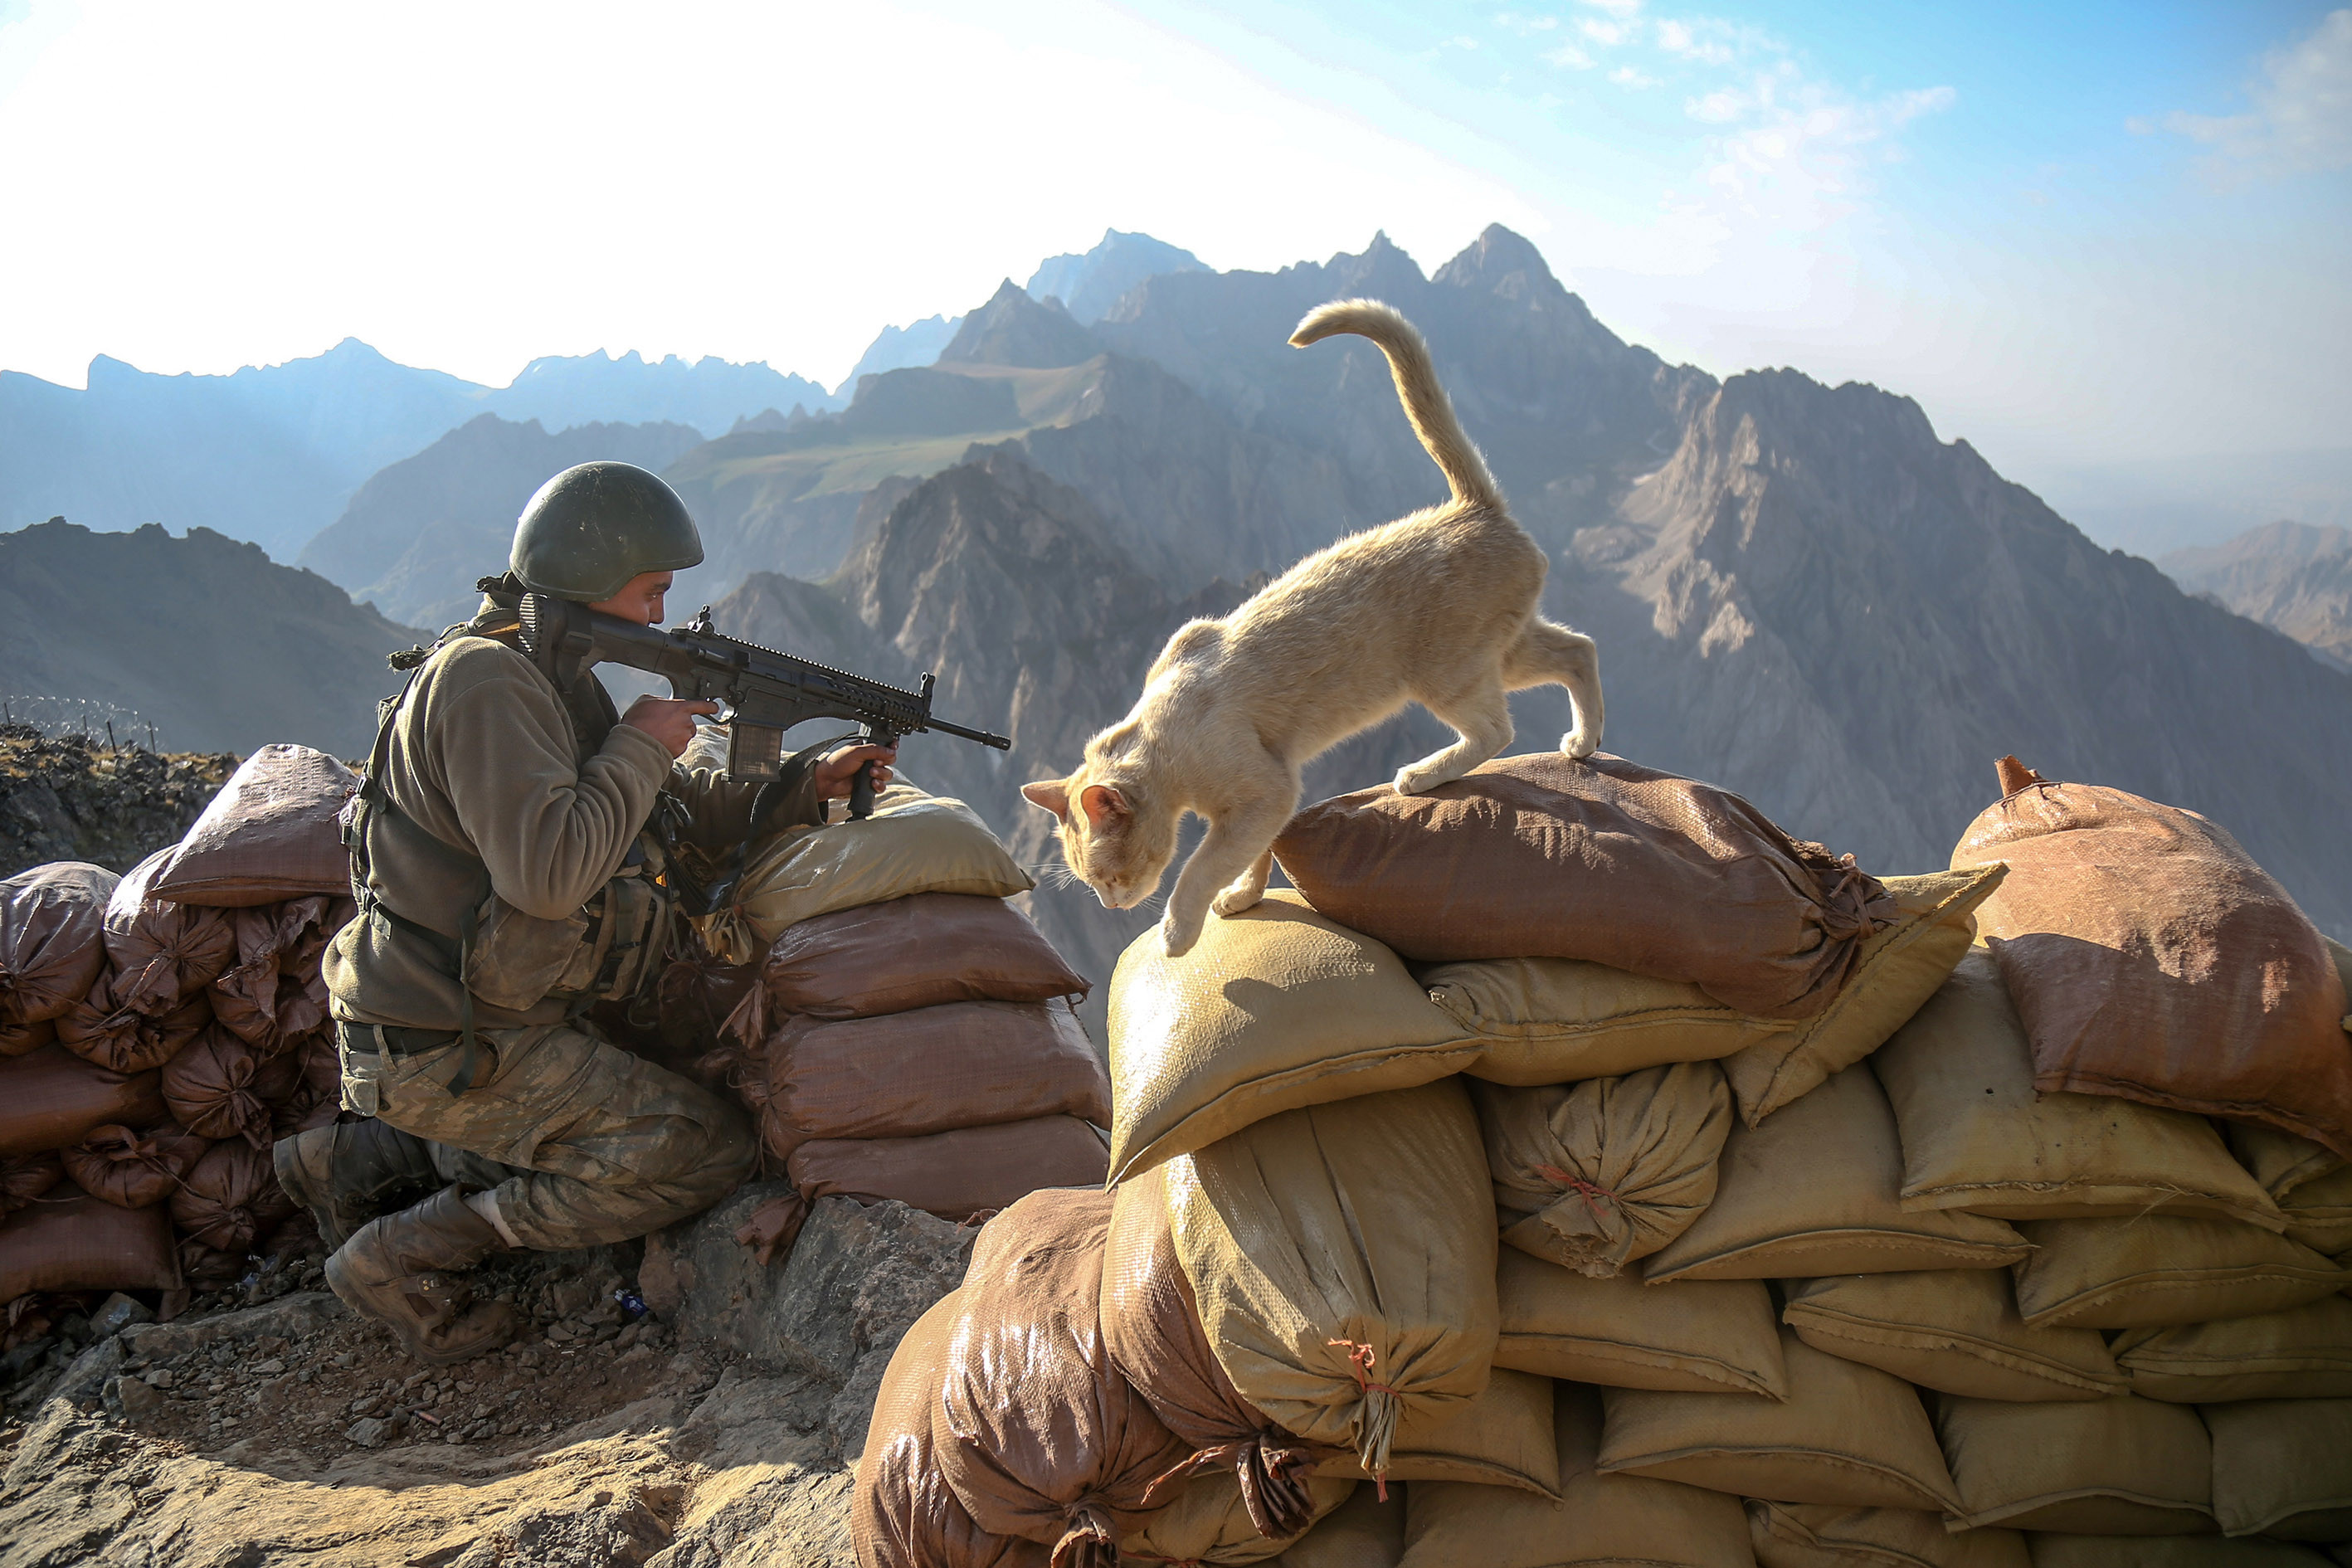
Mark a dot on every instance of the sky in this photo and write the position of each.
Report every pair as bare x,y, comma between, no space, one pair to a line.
2078,234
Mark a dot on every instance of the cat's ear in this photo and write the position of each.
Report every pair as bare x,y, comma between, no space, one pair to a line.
1105,806
1052,794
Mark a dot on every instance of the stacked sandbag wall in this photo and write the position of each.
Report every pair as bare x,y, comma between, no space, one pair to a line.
1650,1236
158,1032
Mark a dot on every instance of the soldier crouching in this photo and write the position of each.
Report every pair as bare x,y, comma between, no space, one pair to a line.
509,878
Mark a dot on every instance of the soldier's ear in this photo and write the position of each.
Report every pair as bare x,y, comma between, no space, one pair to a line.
1052,795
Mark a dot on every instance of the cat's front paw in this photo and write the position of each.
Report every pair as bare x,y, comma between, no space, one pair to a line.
1579,743
1421,778
1178,933
1234,899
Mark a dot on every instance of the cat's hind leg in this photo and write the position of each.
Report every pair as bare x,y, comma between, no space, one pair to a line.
1481,716
1550,653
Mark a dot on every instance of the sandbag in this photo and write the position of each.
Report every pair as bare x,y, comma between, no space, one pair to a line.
1598,1519
914,842
208,1267
1273,1009
270,834
316,1097
2284,1468
1810,1535
1695,1335
915,952
1954,1329
230,1197
1813,1191
123,1039
2163,1269
2054,1550
1561,1020
1978,1136
276,992
1501,1438
2279,1161
963,1064
2318,1214
161,952
1847,1433
25,1177
52,938
2118,1465
1151,1330
220,1087
955,1175
1342,1257
1591,1175
24,1039
696,994
70,1241
1363,1532
1206,1522
1036,1432
52,1098
1544,856
129,1169
2302,1353
2151,959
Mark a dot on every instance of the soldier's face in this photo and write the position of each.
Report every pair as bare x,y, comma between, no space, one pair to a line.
641,601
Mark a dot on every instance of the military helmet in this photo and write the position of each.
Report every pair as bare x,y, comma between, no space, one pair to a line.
593,527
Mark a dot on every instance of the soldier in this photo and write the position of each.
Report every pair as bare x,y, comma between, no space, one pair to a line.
509,878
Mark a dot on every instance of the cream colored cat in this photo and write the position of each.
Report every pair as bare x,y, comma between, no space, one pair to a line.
1437,608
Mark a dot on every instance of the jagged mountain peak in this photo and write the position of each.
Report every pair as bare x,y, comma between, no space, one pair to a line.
1499,261
1012,329
1089,284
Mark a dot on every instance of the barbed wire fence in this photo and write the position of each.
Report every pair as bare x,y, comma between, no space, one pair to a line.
93,718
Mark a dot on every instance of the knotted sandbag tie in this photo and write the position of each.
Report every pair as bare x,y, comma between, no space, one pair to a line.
1378,1429
1092,1539
1591,1192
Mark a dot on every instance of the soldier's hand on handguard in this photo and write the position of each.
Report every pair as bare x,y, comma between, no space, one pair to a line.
837,770
668,720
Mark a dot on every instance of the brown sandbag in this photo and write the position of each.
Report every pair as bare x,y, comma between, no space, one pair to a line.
1957,1330
963,1064
917,951
132,1169
23,1040
1547,857
2284,1468
125,1040
270,834
1151,1330
1591,1175
2302,1354
2051,1550
25,1177
1036,1432
70,1241
161,951
220,1087
2151,958
957,1175
52,938
1813,1535
697,993
205,1268
230,1197
1698,1336
2160,1269
52,1098
2118,1465
316,1097
276,992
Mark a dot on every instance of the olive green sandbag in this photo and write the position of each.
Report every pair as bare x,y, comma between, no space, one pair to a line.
1363,1532
2282,1467
1815,1535
1847,1433
1206,1523
1953,1330
2119,1466
1273,1009
2054,1550
1500,1439
1562,1020
2160,1269
2318,1214
1813,1191
1597,1519
1694,1336
2305,1352
1342,1258
2279,1161
1977,1136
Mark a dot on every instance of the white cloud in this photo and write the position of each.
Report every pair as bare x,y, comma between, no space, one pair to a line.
2302,116
1571,56
1620,9
1801,158
1702,42
1525,25
1626,75
1608,35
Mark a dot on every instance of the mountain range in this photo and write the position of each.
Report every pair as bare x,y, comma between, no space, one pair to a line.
2287,575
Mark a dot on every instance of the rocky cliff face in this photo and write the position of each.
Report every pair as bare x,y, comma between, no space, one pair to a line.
2291,577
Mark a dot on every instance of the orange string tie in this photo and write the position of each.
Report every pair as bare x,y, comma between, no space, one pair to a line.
1589,1192
1361,1359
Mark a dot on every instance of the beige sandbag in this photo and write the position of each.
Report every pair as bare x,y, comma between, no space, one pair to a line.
1813,1191
1557,1020
1954,1329
270,834
1591,1175
914,842
1206,1522
1813,1535
2164,1268
2054,1550
1343,1259
1273,1009
2302,1354
2284,1468
2104,1467
2318,1214
2279,1161
1363,1532
1977,1136
1500,1439
1599,1518
1895,971
1698,1336
1847,1433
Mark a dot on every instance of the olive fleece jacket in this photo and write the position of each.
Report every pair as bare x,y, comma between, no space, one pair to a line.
486,768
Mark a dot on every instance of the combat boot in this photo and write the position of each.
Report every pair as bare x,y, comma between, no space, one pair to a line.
348,1172
406,1270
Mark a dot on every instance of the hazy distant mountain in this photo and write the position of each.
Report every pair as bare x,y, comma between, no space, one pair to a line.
1012,329
1089,285
711,394
2157,505
419,532
898,348
205,637
2292,577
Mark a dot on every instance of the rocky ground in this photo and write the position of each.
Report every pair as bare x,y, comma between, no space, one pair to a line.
677,1405
76,798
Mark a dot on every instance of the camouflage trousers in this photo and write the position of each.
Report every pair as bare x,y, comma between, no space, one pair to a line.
582,1142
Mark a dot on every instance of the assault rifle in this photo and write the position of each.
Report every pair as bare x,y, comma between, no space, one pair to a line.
766,692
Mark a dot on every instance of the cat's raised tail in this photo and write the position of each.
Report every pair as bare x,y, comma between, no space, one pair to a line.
1425,403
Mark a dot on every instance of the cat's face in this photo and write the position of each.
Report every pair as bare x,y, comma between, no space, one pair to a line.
1109,838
